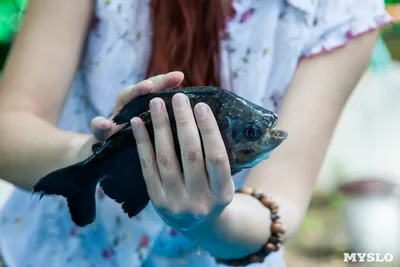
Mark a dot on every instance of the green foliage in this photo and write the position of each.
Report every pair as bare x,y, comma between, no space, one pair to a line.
337,200
391,2
11,14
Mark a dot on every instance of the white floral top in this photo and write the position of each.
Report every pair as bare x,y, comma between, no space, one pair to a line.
265,41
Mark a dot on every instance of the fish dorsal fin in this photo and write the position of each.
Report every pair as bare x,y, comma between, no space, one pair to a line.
133,108
141,104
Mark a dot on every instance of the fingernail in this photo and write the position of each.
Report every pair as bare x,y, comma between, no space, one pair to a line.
135,122
156,105
180,100
105,125
175,73
145,82
201,110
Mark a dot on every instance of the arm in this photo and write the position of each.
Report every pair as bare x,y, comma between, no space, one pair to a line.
40,68
42,62
312,106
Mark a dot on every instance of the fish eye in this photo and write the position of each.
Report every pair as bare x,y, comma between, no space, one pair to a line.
252,132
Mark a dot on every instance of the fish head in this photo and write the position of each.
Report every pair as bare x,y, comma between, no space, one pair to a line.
249,132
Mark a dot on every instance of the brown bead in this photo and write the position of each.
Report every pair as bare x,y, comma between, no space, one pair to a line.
278,228
254,258
266,201
271,247
275,216
247,190
274,239
275,247
256,192
259,196
274,206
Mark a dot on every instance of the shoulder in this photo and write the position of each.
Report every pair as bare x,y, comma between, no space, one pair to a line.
337,22
323,25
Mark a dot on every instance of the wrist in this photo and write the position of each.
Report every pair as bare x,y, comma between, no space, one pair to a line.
277,230
240,229
78,148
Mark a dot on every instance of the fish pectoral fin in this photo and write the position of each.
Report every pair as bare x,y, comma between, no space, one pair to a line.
132,109
235,171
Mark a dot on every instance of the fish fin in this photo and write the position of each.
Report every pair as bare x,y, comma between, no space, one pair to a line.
235,171
132,109
141,104
77,183
134,198
126,184
82,205
132,207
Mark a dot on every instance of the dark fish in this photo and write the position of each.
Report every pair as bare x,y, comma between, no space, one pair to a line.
246,128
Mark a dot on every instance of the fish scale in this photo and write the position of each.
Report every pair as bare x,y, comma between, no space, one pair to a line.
246,129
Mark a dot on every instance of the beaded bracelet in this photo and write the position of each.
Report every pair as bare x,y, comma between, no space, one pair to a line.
274,242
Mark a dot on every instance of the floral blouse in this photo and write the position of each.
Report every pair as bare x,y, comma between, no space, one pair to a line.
265,41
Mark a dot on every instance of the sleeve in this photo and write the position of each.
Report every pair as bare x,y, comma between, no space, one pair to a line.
338,21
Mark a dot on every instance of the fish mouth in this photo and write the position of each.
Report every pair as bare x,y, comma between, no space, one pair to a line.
278,135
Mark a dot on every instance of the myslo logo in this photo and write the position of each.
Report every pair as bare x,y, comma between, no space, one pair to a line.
367,257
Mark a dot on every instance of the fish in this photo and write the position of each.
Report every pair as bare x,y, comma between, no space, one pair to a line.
247,129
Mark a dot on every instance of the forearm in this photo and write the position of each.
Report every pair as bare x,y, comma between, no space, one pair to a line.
31,147
44,57
312,106
243,227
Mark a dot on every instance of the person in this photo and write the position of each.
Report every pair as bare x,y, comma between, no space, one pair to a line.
63,83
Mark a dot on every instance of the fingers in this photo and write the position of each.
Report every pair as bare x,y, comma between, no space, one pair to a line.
217,161
167,81
161,169
148,161
168,163
196,178
151,85
132,92
101,128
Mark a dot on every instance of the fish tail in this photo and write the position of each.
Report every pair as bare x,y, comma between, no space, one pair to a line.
77,183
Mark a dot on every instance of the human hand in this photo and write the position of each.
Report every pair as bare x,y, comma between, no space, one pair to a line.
205,187
103,128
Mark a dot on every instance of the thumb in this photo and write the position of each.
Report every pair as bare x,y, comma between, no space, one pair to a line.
101,128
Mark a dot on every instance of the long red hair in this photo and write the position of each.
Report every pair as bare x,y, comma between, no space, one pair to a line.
186,37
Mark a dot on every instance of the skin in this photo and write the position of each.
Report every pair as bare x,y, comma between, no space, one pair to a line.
225,234
46,54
